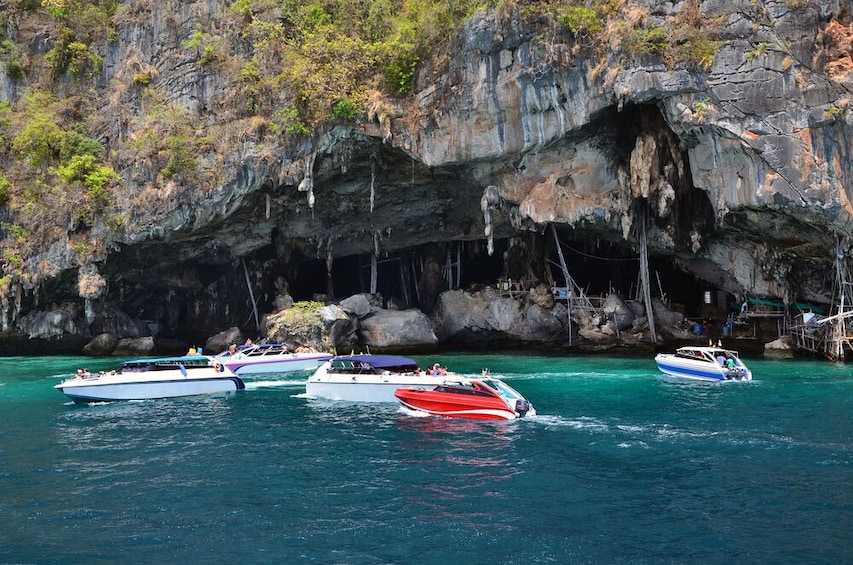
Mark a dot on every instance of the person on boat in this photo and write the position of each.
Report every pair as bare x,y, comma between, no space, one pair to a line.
79,373
232,349
730,363
248,341
721,359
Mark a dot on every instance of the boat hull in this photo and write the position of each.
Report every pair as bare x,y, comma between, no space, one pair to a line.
367,388
150,390
150,385
677,367
294,362
427,401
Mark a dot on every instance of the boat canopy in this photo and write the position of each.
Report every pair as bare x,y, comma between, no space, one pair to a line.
378,361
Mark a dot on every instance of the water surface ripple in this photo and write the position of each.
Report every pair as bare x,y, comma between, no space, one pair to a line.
619,466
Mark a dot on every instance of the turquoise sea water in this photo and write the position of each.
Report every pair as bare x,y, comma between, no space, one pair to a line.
618,466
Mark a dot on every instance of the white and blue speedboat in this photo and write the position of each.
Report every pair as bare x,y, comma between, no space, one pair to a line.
263,358
143,379
704,364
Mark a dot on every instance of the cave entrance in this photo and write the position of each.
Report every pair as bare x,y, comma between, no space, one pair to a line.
598,267
601,267
403,276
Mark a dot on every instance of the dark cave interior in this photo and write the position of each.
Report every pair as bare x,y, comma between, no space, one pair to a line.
596,267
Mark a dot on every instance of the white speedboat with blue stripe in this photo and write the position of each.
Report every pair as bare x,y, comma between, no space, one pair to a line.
143,379
261,358
703,363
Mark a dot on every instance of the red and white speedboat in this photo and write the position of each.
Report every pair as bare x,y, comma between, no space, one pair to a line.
481,399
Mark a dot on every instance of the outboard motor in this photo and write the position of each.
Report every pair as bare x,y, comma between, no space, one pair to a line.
522,406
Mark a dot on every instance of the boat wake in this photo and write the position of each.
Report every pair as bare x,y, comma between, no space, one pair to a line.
649,434
410,412
582,423
681,381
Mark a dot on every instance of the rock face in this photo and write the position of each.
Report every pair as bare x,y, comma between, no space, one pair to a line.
325,328
463,317
779,349
397,330
735,169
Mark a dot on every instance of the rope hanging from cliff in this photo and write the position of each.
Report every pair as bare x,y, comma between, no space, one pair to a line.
644,274
251,294
598,257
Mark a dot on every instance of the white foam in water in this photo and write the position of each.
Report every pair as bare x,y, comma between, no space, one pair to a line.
410,412
576,423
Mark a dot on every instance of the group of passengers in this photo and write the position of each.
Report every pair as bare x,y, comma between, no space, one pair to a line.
726,361
87,374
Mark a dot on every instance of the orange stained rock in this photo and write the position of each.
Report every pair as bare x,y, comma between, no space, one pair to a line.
840,53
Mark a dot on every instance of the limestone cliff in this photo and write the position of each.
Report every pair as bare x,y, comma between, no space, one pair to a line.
735,164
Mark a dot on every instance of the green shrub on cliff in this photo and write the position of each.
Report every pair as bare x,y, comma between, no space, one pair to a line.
95,177
654,41
325,56
580,19
301,322
302,315
5,188
39,137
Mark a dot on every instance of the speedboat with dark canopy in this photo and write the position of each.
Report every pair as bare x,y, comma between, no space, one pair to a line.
370,378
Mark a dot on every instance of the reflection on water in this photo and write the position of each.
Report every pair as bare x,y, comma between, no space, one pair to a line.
455,465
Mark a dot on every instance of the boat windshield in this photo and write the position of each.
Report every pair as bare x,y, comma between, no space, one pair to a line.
504,389
372,364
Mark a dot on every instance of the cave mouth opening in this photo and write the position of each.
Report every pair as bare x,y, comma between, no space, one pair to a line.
598,267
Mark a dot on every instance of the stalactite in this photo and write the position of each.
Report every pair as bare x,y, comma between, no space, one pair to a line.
490,201
307,183
374,159
89,310
4,313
